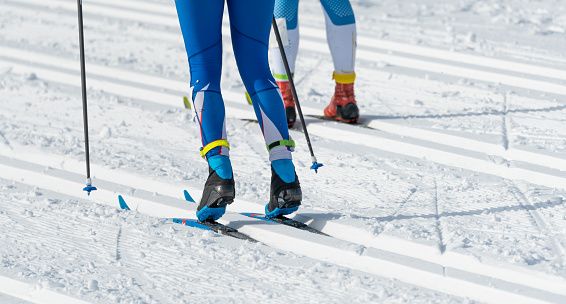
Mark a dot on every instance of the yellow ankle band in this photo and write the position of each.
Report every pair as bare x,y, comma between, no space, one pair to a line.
212,145
341,78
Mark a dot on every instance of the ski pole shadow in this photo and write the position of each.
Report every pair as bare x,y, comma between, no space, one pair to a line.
367,118
501,209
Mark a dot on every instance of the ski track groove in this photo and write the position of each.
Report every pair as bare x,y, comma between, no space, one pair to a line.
118,238
156,259
505,127
538,221
73,244
437,216
160,248
168,23
400,193
169,11
159,259
369,197
541,224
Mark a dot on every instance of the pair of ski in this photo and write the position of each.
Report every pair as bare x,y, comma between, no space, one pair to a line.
229,231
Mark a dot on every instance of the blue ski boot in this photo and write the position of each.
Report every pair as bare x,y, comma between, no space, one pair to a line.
218,190
285,195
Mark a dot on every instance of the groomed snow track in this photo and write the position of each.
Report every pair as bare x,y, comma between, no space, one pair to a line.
410,262
349,247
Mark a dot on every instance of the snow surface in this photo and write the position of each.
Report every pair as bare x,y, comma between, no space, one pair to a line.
455,194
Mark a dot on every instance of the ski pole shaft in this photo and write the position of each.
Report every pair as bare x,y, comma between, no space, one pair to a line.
88,187
315,165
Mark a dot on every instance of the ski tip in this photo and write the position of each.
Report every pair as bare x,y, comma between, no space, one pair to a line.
123,204
315,166
188,196
187,102
88,189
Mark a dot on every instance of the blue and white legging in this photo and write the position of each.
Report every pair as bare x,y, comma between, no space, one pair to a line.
250,23
340,34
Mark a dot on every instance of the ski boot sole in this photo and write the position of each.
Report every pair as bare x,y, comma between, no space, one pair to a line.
218,198
348,113
288,202
278,212
208,213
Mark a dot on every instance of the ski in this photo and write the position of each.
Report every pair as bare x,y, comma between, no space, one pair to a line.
358,122
206,225
220,228
280,219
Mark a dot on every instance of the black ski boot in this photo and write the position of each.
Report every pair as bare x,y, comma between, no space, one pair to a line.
285,198
217,194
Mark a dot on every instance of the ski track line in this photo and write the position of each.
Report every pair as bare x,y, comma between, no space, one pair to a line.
513,153
202,279
34,293
517,67
341,231
368,54
398,127
159,259
539,221
453,156
437,216
505,124
181,88
153,261
118,240
438,153
387,264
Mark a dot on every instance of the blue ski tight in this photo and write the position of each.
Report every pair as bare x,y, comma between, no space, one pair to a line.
250,22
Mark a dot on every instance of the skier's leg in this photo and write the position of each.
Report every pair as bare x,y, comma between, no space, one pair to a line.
341,36
201,23
287,9
250,24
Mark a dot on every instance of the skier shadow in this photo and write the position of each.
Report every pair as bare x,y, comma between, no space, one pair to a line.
364,119
536,206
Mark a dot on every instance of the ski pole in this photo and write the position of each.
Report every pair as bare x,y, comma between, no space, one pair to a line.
315,164
89,186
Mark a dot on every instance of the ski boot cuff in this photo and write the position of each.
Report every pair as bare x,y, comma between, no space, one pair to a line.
221,164
285,169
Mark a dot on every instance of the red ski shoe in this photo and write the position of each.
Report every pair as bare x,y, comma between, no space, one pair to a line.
288,101
343,104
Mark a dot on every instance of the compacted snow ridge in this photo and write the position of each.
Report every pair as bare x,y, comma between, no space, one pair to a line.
450,189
